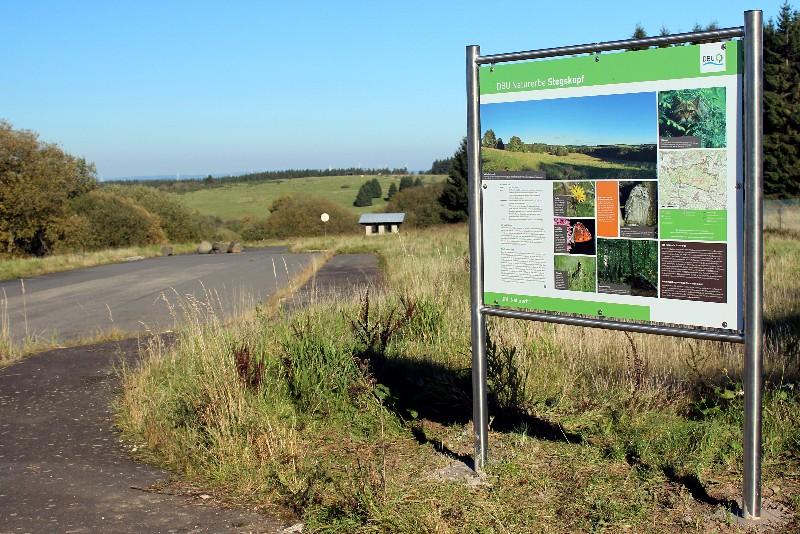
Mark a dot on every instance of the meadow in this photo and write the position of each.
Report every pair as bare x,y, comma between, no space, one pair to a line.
238,200
573,166
353,415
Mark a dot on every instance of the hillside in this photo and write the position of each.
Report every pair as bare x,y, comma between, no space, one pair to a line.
572,166
235,201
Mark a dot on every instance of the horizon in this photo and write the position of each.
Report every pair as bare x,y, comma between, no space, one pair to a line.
197,88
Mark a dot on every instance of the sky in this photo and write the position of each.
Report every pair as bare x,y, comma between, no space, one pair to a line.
216,87
615,119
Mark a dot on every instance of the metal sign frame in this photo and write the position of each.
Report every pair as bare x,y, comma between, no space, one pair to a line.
752,130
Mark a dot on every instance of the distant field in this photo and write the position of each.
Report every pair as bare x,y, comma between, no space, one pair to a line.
234,201
570,167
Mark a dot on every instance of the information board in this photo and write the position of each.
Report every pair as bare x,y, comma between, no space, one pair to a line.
611,185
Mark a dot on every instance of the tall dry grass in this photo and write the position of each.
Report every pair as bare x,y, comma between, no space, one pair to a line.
281,407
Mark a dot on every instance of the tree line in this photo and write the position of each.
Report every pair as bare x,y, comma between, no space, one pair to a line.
191,184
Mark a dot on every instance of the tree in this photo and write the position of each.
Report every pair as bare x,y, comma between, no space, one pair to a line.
420,204
406,182
377,191
300,217
37,181
441,166
500,145
179,222
419,182
114,221
454,197
638,33
782,105
489,140
515,144
392,191
364,196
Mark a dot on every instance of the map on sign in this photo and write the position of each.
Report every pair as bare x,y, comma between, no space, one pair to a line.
693,179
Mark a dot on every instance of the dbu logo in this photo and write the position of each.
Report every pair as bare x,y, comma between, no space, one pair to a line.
712,57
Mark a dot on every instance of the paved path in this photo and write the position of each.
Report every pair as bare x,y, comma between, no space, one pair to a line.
62,467
140,296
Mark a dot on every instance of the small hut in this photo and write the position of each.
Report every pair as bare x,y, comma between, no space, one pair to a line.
382,223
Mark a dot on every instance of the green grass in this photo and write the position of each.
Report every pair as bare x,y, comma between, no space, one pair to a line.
573,166
235,201
579,442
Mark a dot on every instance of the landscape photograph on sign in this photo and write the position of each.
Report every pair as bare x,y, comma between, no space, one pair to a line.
697,114
605,137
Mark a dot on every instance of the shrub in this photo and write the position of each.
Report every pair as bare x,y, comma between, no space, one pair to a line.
255,230
180,224
112,221
301,217
37,182
420,204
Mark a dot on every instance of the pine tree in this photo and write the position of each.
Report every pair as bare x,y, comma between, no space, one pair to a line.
364,196
392,191
377,191
454,198
782,105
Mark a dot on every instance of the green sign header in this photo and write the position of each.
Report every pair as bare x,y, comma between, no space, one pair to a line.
678,62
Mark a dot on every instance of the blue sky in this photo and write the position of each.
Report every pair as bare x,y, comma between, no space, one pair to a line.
197,87
592,120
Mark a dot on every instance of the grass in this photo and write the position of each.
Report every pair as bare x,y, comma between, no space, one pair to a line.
592,430
235,201
12,269
573,166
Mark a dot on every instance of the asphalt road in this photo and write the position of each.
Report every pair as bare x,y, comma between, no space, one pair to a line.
62,466
146,295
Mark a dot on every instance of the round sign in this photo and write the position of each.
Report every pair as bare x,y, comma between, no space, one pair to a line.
324,217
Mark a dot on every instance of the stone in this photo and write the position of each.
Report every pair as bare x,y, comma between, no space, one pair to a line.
235,248
204,248
166,251
638,207
218,248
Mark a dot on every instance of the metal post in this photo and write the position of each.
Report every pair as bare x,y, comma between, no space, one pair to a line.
478,320
753,177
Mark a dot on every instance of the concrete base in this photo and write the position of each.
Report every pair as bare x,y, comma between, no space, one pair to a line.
773,515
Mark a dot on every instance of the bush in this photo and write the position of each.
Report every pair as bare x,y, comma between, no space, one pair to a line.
255,230
301,217
180,224
420,204
37,182
111,221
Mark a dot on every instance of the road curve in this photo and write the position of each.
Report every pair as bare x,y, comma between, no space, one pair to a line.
143,295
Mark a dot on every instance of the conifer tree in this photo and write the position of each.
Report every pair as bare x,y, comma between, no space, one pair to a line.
782,105
454,198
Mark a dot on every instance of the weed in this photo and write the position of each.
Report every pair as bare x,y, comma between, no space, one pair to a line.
249,369
375,333
506,378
